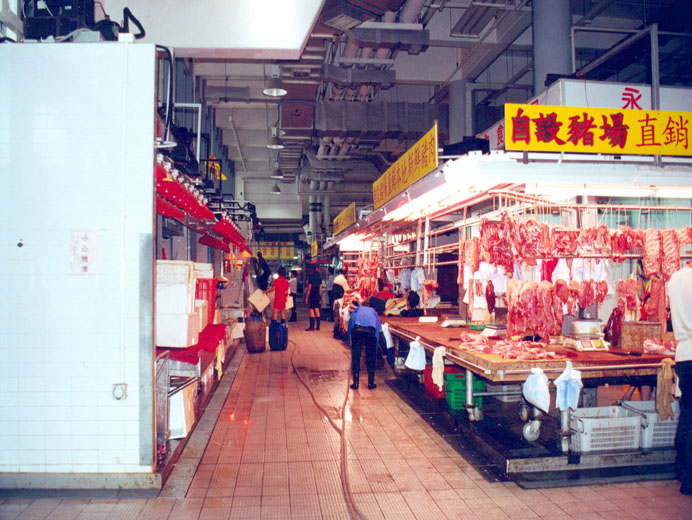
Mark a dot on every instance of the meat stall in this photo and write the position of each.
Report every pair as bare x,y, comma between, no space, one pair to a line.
555,257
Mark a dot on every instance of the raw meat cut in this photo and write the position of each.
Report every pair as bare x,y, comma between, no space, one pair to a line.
684,236
602,241
627,290
516,317
625,240
562,290
671,253
460,263
490,296
496,242
565,241
652,253
657,288
664,348
527,240
614,326
585,242
587,294
472,253
601,290
429,287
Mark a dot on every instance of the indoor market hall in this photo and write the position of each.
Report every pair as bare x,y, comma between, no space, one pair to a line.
269,445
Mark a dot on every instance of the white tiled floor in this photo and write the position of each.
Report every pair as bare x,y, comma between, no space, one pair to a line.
273,455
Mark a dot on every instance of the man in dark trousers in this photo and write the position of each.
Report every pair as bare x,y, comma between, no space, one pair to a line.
313,298
680,295
364,328
263,272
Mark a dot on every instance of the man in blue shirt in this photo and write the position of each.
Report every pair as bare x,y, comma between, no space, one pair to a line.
364,328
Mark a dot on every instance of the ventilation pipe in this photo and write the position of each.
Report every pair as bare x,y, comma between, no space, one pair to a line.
327,206
313,210
552,49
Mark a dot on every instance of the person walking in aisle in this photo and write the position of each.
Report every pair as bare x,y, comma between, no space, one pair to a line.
313,298
680,296
293,289
364,329
263,272
330,292
280,287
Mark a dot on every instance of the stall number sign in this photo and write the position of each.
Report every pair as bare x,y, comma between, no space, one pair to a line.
84,252
597,130
345,219
313,249
418,161
277,250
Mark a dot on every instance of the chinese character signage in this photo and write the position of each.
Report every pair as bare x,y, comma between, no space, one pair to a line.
277,250
84,252
313,249
596,130
345,219
418,161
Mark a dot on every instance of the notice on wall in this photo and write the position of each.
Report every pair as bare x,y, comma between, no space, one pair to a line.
597,130
84,252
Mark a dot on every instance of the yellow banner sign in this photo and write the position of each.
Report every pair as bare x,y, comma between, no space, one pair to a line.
418,161
596,130
277,250
313,249
344,219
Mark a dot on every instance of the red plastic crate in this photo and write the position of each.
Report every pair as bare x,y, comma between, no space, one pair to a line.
430,387
206,290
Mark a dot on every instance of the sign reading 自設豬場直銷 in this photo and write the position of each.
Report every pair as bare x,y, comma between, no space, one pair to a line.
596,130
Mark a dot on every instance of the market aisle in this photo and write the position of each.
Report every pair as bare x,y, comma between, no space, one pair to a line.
273,455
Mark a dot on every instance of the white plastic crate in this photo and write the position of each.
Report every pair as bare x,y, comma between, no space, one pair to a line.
604,428
655,432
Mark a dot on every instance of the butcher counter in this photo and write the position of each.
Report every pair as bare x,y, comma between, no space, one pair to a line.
503,377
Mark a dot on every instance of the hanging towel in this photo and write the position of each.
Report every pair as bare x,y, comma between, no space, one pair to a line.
569,387
438,367
664,387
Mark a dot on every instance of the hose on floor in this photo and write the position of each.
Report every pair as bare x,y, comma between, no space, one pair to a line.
353,511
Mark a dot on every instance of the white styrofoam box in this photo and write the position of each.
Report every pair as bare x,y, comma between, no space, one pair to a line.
204,270
217,317
174,297
238,331
177,330
604,428
181,411
655,432
175,271
202,310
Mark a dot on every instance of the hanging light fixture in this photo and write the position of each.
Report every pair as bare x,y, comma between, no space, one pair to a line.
275,189
275,141
274,87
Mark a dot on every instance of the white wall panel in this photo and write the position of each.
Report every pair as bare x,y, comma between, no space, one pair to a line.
76,134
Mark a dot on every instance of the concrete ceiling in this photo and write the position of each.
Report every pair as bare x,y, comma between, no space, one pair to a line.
342,85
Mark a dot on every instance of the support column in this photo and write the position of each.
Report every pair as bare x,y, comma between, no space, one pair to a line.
552,52
457,111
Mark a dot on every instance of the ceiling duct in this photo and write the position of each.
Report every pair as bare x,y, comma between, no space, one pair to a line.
383,78
411,38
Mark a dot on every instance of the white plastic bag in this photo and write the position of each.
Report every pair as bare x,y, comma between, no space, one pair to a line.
569,387
387,336
416,356
535,390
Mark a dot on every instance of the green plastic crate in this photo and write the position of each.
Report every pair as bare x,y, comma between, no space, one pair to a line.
455,391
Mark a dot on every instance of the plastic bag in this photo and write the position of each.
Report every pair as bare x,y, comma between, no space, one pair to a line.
387,336
535,390
416,356
569,387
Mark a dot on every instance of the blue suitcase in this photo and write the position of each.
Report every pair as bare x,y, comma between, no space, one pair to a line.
278,336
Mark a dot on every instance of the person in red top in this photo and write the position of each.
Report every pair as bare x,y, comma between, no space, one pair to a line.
280,288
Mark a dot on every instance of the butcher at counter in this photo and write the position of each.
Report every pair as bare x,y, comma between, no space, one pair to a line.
680,295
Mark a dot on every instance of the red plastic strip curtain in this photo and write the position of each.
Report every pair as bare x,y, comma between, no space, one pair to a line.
208,240
165,208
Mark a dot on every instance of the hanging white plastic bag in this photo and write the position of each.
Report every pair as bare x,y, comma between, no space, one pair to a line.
535,390
416,356
569,387
387,336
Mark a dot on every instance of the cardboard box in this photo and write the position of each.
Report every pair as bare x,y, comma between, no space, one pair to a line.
177,330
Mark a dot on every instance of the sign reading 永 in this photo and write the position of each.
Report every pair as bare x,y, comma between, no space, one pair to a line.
418,161
596,130
345,219
313,249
